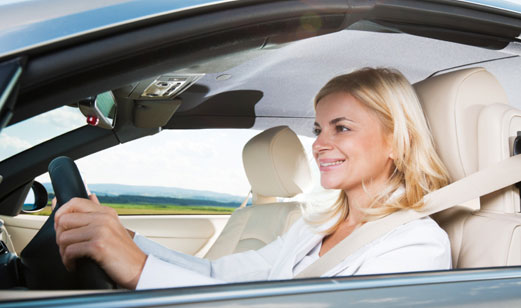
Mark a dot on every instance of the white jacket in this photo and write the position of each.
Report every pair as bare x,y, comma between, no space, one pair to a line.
419,245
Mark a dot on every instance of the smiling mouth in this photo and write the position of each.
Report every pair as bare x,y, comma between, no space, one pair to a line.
338,162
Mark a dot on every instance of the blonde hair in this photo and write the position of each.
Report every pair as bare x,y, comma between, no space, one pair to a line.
418,167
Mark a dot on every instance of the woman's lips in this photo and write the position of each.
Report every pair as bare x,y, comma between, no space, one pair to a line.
329,164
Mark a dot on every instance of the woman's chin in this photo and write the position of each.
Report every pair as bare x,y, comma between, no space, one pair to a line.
330,185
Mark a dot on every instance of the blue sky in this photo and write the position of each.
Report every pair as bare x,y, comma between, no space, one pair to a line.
23,135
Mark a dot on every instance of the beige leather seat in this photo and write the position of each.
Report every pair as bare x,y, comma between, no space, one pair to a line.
473,127
276,166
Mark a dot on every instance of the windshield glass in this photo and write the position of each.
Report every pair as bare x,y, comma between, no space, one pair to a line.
26,134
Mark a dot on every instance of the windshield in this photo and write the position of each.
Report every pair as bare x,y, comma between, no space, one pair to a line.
26,134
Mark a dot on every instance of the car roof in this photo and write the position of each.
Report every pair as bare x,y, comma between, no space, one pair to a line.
274,57
287,78
30,24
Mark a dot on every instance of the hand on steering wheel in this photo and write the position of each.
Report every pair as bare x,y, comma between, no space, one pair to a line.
84,228
87,231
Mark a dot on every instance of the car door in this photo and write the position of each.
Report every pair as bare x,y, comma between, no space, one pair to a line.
191,234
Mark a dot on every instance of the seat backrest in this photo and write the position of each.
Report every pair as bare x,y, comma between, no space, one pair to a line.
473,127
276,166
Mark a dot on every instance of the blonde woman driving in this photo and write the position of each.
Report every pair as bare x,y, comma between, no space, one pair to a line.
372,144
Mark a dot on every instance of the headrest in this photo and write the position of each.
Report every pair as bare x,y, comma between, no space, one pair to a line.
452,104
275,163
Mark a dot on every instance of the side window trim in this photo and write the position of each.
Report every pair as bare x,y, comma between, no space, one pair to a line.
10,73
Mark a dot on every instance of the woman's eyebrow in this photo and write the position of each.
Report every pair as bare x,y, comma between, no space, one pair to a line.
336,120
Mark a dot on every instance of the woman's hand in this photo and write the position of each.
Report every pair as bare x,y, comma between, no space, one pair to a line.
85,228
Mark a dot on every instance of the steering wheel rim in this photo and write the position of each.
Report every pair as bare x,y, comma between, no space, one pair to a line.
41,262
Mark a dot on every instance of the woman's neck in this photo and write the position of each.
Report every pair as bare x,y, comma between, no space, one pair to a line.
357,200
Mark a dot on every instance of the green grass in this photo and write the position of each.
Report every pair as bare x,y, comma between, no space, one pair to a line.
159,209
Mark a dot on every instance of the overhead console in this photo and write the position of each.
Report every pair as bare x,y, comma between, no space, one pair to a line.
155,98
164,87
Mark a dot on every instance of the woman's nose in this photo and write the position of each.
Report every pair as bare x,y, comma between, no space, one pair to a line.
321,143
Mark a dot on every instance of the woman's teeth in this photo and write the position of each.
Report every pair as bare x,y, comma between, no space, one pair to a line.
331,164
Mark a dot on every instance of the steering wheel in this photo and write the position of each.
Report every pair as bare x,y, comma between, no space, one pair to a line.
41,264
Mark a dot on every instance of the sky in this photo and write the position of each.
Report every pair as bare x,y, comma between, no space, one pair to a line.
194,159
23,135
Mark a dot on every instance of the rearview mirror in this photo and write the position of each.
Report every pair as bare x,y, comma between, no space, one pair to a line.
100,110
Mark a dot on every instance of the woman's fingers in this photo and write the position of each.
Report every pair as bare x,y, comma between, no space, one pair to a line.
83,241
80,205
74,220
72,238
75,205
53,203
78,250
94,198
66,237
73,227
84,228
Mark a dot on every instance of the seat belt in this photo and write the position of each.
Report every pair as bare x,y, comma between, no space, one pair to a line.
483,182
243,204
6,238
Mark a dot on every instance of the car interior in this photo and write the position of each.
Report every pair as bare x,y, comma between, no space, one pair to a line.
474,127
262,75
277,167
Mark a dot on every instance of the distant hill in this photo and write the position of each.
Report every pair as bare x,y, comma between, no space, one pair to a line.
116,190
162,201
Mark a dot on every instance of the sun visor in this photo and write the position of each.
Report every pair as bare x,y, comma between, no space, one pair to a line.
151,114
155,98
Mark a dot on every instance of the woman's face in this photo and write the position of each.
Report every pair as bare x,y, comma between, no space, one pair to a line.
351,146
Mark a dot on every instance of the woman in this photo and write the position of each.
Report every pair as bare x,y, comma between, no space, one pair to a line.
373,144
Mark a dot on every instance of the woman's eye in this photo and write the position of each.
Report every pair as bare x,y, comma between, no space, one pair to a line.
316,131
341,128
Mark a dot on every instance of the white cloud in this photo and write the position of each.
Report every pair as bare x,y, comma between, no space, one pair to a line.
10,145
33,131
66,117
16,143
203,160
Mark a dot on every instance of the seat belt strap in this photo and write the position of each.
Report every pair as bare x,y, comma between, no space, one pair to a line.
483,182
6,237
243,204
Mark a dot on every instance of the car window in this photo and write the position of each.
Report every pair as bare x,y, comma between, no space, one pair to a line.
173,172
21,136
